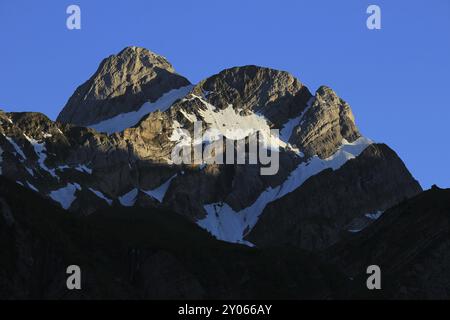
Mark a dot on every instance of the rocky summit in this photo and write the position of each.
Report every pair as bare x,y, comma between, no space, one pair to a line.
110,153
113,142
122,83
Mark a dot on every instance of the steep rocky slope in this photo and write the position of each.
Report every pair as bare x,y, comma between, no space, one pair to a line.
275,94
131,253
325,124
332,204
146,111
410,243
135,253
122,83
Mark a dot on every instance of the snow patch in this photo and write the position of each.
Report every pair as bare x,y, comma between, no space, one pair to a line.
30,171
129,119
224,223
83,168
66,195
160,192
288,127
230,124
375,215
101,196
32,187
360,223
16,147
8,119
188,116
129,199
40,150
179,135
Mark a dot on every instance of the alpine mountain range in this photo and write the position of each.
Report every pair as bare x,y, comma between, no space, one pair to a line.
98,187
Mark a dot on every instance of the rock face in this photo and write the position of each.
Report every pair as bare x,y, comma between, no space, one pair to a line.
325,124
275,94
84,170
320,212
135,253
336,204
122,83
410,243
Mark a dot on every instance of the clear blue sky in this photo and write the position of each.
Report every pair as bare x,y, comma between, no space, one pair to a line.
396,79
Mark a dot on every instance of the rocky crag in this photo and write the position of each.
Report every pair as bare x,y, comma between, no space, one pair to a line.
112,146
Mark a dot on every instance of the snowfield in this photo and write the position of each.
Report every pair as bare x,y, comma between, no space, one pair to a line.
230,124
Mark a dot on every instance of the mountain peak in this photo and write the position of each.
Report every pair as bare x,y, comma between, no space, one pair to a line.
122,83
276,94
145,56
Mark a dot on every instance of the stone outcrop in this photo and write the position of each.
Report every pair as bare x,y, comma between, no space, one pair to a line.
277,95
410,243
325,124
122,83
98,170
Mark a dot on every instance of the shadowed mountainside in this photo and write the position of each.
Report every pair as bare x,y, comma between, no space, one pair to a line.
127,253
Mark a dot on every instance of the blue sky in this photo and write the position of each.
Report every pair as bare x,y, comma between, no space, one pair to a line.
396,79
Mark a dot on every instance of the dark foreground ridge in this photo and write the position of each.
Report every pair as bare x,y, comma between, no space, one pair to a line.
99,189
135,253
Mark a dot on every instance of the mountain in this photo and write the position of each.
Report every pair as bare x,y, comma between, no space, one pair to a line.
135,253
122,83
113,144
334,203
410,243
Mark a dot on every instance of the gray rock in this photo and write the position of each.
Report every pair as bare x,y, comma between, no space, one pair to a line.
139,157
122,83
316,215
277,95
324,125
